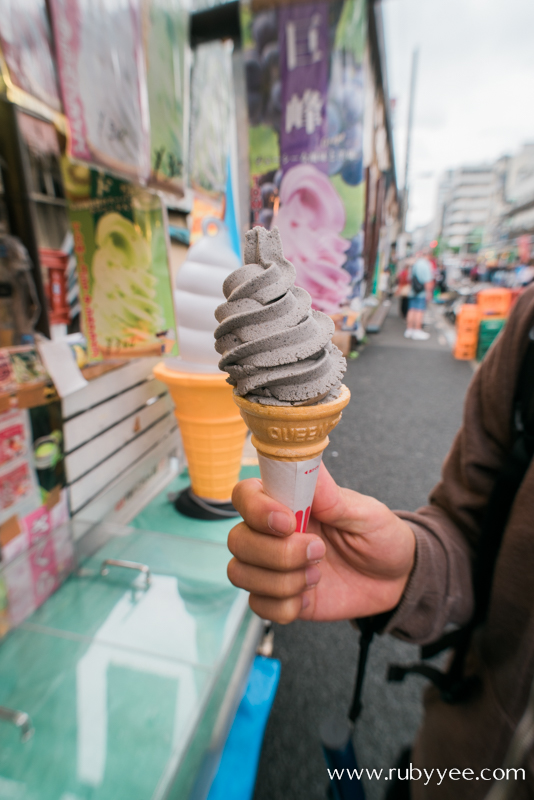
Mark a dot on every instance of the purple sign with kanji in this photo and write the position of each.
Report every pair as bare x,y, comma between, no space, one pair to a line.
304,59
306,98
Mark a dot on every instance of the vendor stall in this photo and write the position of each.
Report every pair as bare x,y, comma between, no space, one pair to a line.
124,649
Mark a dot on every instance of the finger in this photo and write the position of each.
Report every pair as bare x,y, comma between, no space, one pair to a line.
268,583
327,496
260,511
344,508
281,554
281,611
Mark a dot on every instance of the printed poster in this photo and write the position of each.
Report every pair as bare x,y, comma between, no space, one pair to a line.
212,131
123,269
102,76
167,57
305,93
36,548
19,489
27,49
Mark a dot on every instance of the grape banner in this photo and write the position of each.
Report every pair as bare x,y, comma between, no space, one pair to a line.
306,96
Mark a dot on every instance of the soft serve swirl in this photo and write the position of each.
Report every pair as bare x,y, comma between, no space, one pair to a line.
275,348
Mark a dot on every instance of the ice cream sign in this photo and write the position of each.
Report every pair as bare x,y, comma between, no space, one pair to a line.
125,284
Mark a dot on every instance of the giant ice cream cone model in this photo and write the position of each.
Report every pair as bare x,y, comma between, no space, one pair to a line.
199,291
284,368
213,432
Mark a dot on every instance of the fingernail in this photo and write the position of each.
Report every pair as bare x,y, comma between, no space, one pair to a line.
316,550
279,522
313,575
305,601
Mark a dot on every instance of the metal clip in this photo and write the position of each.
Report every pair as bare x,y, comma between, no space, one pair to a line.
117,562
20,719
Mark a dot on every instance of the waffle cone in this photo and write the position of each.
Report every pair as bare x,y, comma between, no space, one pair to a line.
213,433
292,433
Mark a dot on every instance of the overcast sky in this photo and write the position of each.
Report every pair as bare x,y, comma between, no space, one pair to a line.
475,91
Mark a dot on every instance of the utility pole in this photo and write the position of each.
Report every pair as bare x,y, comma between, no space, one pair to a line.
406,190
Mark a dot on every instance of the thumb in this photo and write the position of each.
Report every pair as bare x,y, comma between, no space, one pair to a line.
343,508
328,502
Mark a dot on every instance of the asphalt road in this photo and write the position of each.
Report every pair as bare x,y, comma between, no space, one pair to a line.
406,407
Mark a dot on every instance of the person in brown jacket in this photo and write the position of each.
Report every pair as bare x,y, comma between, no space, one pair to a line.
360,559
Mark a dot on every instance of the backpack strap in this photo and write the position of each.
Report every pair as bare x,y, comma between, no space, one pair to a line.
453,684
368,627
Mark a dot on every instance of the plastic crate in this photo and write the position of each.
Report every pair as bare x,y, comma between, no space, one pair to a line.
468,312
465,352
492,325
494,302
467,327
490,329
514,294
467,321
481,351
467,338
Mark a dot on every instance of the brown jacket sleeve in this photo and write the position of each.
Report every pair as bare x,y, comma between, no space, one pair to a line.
439,592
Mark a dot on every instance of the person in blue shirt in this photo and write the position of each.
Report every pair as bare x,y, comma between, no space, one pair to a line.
420,293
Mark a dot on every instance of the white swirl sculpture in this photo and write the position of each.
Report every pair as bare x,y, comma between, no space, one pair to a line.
198,293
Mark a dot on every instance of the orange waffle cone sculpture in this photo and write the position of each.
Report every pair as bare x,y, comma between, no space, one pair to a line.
290,441
213,432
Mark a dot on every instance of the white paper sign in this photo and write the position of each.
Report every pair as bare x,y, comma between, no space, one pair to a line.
291,483
61,365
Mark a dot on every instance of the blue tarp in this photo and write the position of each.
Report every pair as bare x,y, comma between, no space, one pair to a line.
236,775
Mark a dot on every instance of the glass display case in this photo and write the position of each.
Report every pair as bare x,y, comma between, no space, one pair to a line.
123,684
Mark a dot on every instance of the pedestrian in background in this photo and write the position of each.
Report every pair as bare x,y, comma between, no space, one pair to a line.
403,289
420,294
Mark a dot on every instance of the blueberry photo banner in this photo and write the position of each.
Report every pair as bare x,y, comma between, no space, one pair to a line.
306,97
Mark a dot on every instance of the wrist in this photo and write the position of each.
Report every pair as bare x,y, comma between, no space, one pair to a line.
410,551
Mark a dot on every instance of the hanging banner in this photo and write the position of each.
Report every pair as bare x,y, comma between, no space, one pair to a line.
101,68
304,83
305,87
167,55
212,131
123,268
26,46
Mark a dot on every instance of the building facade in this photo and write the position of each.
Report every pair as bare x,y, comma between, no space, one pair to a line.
487,205
519,214
465,198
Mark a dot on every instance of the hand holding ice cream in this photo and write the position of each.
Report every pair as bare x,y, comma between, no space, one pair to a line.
354,560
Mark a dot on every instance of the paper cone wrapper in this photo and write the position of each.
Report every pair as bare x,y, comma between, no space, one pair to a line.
290,441
213,433
291,483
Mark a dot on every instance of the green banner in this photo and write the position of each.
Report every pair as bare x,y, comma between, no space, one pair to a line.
123,267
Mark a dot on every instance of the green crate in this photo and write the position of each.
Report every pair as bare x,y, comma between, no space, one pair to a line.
491,327
488,332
